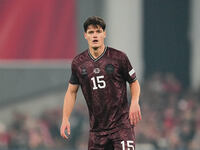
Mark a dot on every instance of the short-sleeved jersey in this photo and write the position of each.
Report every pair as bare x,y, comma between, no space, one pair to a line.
103,83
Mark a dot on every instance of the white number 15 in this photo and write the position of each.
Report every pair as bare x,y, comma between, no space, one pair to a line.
129,145
98,82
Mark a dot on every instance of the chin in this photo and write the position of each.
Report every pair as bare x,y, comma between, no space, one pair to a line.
95,47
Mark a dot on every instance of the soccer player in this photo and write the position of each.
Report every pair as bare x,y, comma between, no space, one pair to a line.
102,73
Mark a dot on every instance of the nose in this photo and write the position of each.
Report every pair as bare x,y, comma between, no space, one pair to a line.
95,35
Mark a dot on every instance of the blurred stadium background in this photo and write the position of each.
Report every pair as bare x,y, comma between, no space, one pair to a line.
38,40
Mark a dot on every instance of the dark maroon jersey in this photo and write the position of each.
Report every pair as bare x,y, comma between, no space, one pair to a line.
103,83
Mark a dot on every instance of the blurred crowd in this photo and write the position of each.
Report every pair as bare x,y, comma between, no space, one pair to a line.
170,121
27,132
170,114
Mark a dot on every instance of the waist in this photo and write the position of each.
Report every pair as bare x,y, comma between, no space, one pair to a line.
104,131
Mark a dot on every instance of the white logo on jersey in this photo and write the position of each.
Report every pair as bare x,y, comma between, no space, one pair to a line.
96,70
131,72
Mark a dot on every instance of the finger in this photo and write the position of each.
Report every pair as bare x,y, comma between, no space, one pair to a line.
135,119
140,116
64,135
67,134
68,131
62,132
131,119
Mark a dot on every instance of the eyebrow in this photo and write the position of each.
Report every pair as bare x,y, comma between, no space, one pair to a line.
90,31
94,31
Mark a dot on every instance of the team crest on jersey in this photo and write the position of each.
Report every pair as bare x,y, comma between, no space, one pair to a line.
96,70
109,68
84,71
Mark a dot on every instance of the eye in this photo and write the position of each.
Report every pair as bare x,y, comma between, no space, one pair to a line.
99,31
90,32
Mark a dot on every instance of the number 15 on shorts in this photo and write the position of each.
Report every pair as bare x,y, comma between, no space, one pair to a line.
129,145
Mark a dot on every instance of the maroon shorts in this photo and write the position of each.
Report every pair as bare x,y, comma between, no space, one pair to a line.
120,139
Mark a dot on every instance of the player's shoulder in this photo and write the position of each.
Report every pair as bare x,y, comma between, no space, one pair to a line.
78,59
116,53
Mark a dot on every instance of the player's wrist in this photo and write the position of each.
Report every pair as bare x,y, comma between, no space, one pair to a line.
65,119
134,102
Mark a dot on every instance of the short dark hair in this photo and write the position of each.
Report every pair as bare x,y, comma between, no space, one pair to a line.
95,21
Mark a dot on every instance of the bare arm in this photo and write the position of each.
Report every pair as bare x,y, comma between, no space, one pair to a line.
69,101
134,112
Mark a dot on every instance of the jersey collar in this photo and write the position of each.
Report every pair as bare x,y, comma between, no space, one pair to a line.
96,59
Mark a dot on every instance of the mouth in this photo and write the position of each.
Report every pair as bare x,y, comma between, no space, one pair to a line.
95,41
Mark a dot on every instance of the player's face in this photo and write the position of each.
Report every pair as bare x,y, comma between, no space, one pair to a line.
95,36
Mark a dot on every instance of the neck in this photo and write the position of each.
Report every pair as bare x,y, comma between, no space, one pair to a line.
96,52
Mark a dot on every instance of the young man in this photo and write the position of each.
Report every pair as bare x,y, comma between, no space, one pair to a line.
102,73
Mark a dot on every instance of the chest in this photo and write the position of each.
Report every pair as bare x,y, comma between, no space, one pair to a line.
105,68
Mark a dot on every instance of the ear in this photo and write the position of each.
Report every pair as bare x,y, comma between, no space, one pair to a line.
85,35
105,34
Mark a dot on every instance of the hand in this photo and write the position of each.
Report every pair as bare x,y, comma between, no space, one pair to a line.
65,126
135,113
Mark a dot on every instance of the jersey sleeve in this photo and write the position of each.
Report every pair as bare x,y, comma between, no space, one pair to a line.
128,71
74,78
